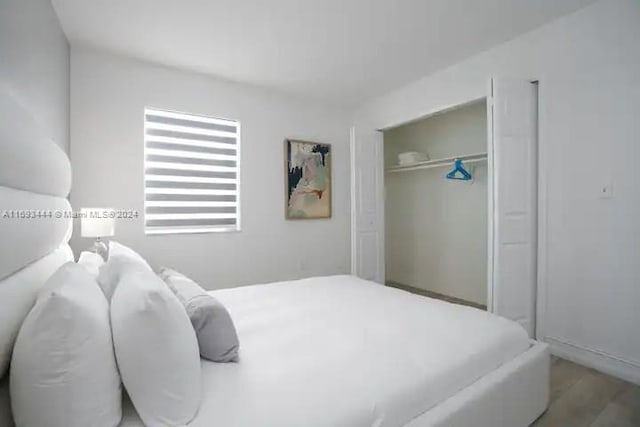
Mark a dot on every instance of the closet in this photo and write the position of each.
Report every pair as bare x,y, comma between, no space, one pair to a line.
392,223
436,218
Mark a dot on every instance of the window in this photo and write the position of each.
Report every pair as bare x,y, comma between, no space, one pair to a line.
191,173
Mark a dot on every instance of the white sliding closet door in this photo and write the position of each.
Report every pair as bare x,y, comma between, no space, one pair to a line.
367,204
513,115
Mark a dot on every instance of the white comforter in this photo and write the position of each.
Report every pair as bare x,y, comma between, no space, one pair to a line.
343,352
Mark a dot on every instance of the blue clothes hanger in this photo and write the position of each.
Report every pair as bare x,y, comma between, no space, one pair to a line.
458,167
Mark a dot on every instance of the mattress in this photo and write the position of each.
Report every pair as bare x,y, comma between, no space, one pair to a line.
344,352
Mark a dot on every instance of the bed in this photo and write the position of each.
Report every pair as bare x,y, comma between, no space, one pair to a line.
325,351
341,351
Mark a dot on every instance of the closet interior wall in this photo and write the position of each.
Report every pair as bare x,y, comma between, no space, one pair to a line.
436,229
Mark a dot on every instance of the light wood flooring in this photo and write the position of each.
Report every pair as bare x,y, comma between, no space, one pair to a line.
582,397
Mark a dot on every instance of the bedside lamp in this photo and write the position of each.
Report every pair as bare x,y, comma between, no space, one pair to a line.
98,223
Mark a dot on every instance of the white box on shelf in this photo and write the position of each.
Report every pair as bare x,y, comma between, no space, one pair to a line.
411,157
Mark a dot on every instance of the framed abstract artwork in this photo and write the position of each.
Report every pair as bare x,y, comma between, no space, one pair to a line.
308,179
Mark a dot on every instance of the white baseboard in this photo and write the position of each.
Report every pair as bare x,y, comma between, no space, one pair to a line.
605,363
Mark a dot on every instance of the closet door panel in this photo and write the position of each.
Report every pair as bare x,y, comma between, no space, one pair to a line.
367,204
514,149
367,255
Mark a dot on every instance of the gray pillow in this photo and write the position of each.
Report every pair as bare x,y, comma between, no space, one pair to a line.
217,337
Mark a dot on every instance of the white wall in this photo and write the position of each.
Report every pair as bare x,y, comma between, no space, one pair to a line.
34,64
588,65
108,95
436,229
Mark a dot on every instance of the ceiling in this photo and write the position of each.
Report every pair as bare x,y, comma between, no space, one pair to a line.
339,51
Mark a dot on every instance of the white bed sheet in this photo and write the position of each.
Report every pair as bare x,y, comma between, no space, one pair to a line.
344,352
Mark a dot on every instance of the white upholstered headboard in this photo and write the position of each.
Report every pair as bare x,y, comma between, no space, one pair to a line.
35,179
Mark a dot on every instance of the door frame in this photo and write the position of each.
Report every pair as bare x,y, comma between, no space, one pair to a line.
540,268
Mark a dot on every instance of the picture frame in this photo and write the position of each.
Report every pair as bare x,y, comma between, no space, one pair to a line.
308,180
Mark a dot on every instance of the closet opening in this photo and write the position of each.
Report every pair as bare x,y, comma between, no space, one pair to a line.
436,217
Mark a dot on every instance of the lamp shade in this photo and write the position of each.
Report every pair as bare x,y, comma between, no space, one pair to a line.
97,222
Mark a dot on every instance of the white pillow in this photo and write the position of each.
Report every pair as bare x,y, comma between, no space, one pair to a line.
118,249
91,261
63,370
111,271
156,348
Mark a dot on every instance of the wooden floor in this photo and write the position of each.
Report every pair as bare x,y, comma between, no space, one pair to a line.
582,397
435,295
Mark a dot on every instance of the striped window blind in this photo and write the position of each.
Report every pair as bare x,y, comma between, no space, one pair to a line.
191,173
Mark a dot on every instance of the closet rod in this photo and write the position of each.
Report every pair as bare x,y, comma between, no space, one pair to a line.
447,161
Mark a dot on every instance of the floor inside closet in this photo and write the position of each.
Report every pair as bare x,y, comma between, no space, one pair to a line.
435,295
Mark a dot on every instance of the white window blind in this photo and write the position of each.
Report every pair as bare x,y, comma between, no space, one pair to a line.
191,173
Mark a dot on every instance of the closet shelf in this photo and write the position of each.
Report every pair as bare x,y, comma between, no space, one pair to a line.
447,161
